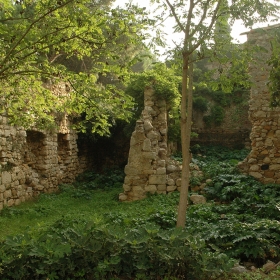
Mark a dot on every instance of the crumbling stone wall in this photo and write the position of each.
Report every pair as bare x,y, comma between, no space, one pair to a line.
234,132
149,168
36,161
263,162
33,161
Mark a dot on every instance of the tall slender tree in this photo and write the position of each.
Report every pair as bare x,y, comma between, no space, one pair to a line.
197,19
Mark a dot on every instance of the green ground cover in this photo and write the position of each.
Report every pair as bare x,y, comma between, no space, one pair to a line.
84,232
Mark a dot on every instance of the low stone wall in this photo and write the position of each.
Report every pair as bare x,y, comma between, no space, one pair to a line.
149,170
32,162
263,162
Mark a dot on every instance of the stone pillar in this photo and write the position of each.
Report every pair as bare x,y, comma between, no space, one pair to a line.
148,166
263,162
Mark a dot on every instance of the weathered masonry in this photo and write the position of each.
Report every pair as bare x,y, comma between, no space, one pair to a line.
149,169
36,161
263,162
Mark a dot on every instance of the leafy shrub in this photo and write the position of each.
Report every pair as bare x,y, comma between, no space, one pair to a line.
200,104
216,116
239,236
112,178
79,250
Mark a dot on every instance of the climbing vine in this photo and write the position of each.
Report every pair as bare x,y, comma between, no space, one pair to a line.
215,103
274,77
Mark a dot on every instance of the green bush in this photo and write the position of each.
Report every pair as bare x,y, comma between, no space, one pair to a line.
216,116
111,178
200,104
80,250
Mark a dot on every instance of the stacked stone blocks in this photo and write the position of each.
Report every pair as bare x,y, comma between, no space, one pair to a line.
149,170
32,162
263,162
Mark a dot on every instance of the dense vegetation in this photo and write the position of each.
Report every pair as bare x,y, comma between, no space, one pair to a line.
83,232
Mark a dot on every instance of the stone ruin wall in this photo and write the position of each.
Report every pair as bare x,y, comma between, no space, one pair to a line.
149,169
34,162
263,162
234,132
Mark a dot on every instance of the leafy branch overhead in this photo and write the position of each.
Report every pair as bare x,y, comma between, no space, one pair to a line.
70,41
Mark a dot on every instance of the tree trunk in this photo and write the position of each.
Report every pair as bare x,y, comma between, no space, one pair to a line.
186,122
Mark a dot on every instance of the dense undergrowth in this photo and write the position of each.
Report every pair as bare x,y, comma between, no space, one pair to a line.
83,232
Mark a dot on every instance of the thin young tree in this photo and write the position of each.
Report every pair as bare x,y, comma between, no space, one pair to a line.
197,19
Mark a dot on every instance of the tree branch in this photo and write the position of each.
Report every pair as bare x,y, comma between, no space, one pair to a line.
213,20
175,15
31,25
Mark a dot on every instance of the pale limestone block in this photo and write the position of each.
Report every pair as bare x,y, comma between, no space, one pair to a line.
163,131
10,202
161,188
29,189
198,199
149,110
148,171
170,182
161,192
7,132
2,188
254,167
149,155
252,160
157,180
162,117
151,188
256,174
161,171
137,189
178,182
274,167
7,194
128,179
171,168
126,188
1,196
13,131
122,197
149,103
268,180
267,160
148,126
171,188
268,142
162,153
147,145
17,201
14,192
6,177
161,163
130,170
163,145
152,135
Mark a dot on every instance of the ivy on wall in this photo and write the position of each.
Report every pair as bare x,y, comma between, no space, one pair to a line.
274,76
214,103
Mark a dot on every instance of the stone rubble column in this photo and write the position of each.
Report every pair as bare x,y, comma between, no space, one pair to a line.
263,162
146,170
